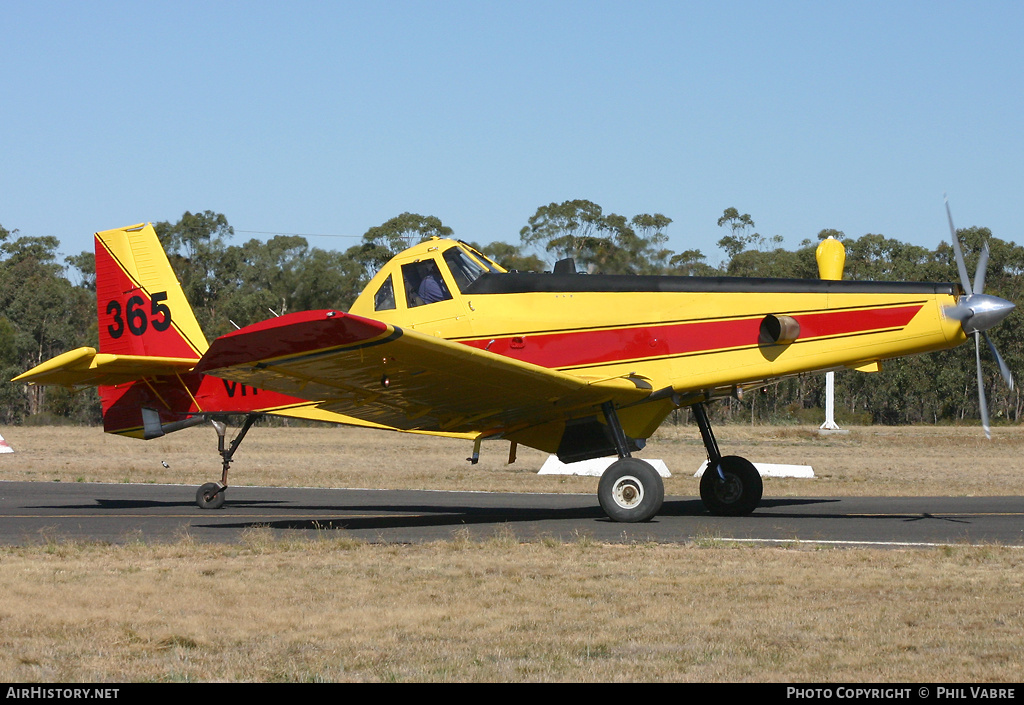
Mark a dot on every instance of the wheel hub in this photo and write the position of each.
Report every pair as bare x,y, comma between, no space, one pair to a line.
730,490
628,492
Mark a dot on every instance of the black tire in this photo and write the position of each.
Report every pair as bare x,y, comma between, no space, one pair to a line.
210,496
739,494
631,490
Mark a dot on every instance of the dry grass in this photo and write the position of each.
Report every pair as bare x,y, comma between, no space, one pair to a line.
335,609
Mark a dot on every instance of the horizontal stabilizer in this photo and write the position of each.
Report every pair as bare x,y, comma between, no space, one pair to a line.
84,367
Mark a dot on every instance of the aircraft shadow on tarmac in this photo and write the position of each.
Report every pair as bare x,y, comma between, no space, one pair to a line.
376,516
888,516
391,516
401,516
695,506
125,504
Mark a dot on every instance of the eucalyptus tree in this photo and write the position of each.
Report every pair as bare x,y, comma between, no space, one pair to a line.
691,263
739,238
599,242
511,257
41,315
382,242
567,229
196,246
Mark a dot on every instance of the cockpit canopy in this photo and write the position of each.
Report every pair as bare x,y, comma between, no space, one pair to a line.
424,274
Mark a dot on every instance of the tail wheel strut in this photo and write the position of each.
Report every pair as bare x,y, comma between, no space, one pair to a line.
211,494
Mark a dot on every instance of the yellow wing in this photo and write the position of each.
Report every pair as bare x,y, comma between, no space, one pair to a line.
404,379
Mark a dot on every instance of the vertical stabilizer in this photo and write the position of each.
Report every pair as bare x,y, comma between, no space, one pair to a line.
141,306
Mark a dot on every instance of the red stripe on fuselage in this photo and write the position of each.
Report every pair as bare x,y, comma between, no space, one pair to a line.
566,349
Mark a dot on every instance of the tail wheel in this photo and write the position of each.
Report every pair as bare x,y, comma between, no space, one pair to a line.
211,495
738,494
631,491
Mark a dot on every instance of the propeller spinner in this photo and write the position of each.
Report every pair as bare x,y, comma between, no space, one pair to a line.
977,312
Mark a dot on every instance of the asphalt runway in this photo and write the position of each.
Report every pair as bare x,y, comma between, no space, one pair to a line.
34,512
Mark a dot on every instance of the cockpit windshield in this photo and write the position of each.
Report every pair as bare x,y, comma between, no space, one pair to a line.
464,267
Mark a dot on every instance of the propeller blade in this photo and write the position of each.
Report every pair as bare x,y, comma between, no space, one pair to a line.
977,312
1004,369
979,274
960,265
982,402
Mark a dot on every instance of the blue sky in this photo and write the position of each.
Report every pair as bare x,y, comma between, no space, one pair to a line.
331,117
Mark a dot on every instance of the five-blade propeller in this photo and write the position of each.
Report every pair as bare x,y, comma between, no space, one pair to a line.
977,312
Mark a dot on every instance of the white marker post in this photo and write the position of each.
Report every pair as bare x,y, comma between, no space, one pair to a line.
831,256
830,403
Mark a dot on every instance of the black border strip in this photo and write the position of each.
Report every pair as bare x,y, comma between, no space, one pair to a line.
529,282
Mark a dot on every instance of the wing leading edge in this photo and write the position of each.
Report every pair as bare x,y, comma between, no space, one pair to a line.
402,378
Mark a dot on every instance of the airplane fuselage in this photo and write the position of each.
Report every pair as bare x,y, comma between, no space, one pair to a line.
687,333
684,339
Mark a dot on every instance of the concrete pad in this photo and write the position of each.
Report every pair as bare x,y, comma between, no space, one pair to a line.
592,468
773,470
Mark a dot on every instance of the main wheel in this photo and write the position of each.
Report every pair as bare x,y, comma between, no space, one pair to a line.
631,490
211,496
739,494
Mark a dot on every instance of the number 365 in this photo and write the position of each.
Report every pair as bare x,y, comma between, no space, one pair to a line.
134,315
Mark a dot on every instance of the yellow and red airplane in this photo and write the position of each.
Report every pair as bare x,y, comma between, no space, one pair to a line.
445,341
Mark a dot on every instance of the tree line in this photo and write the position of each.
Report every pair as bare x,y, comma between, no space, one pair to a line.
48,305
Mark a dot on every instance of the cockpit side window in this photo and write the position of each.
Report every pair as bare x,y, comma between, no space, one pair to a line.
424,283
464,269
384,299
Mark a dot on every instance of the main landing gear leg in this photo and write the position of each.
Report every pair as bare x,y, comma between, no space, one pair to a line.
211,495
731,485
630,489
